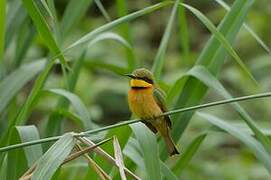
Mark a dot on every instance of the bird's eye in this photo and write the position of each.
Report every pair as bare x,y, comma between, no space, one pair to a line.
147,80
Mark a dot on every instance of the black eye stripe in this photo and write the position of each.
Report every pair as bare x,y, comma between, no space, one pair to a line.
145,79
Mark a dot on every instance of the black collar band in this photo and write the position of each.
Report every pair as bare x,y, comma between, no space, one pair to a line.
138,87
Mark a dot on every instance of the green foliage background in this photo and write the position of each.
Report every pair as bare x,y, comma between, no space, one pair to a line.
61,70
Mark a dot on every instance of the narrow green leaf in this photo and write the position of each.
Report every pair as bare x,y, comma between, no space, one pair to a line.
10,86
109,36
148,144
24,111
89,36
168,174
132,151
221,39
160,55
117,38
30,133
126,33
74,11
252,143
21,159
77,104
15,157
102,9
188,154
14,19
43,28
51,9
52,159
253,33
67,114
26,34
54,120
175,89
183,34
201,73
3,168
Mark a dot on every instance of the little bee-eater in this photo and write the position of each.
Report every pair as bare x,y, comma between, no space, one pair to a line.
147,101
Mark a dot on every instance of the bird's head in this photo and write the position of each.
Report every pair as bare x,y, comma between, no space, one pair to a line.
141,78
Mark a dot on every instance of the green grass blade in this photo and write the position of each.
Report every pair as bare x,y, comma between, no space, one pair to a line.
2,28
253,33
30,133
212,56
43,28
110,36
3,168
15,17
147,142
12,84
56,26
24,111
15,158
221,39
20,159
183,34
168,174
70,115
24,40
175,89
126,33
188,154
252,143
74,11
77,104
132,151
201,73
53,126
89,36
102,9
160,56
52,159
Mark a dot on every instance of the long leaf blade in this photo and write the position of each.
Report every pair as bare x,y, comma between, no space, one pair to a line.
160,56
221,39
188,154
52,159
77,104
147,142
115,23
253,33
209,80
252,143
10,86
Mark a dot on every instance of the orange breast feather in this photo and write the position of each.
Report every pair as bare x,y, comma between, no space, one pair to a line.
142,103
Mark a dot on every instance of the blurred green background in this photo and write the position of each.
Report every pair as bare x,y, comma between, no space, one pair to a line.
103,89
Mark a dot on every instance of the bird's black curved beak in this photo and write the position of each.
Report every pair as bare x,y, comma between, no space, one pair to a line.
129,75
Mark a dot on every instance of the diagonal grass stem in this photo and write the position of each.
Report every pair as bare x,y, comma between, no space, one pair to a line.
87,133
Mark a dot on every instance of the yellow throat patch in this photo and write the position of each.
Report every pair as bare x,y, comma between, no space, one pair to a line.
139,83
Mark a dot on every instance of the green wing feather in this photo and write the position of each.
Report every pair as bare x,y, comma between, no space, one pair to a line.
160,96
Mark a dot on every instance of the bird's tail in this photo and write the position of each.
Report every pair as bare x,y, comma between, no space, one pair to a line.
171,148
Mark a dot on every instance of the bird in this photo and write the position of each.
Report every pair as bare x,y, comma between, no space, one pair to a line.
147,101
